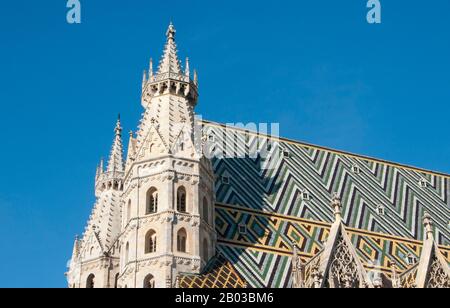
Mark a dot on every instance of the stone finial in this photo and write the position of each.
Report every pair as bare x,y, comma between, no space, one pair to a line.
295,256
97,172
115,162
118,128
428,225
297,268
186,68
171,31
337,206
395,279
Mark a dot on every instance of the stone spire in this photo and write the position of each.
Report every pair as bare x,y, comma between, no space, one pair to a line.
144,79
131,150
169,98
115,163
338,264
298,269
169,62
187,72
432,270
76,248
167,173
150,69
98,244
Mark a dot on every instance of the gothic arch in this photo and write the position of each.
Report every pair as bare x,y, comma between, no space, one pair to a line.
151,201
149,282
90,281
182,240
181,199
150,242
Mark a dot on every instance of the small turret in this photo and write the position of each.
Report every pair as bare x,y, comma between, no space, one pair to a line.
112,178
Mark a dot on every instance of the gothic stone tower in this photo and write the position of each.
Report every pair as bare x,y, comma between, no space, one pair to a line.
95,257
154,214
168,195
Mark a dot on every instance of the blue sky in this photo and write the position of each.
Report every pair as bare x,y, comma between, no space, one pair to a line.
316,67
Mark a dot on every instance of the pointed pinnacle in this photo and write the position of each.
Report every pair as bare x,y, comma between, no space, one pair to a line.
195,78
150,68
118,128
428,224
171,31
187,69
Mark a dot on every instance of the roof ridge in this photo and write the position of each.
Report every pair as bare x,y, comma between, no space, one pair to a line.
336,151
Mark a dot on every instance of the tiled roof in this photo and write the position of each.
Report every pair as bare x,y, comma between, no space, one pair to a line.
219,273
266,195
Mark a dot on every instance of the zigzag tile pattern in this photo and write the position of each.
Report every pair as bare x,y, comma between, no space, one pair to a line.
219,273
265,193
276,185
262,255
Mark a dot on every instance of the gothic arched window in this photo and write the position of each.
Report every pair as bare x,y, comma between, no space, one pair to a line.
181,200
150,242
205,209
90,282
149,282
205,249
152,201
181,240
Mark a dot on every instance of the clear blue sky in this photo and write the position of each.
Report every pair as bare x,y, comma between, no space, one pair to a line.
316,67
